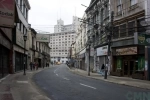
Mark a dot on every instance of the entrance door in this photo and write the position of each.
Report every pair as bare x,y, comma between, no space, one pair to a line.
125,67
131,68
128,68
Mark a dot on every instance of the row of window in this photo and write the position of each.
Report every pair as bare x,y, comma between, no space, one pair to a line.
61,39
120,6
23,8
128,29
58,53
21,27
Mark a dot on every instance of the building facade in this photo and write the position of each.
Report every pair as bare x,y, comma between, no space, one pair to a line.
129,54
80,44
60,44
39,52
20,30
98,19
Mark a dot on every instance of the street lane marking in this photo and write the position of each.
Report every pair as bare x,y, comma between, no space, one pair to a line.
57,74
24,82
87,86
55,70
66,79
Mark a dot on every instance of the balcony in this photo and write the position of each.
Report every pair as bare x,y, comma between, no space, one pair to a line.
133,7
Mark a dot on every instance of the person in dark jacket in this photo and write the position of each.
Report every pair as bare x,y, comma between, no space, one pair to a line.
31,65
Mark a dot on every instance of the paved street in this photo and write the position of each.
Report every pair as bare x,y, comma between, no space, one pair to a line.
61,84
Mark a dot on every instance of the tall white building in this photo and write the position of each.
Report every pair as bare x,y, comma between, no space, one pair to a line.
60,27
60,44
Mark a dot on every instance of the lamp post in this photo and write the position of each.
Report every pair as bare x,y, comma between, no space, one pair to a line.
25,39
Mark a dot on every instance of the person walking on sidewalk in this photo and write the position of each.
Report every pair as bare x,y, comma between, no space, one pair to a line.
37,65
31,65
102,69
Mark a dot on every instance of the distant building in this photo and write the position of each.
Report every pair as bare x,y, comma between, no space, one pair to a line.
60,45
60,27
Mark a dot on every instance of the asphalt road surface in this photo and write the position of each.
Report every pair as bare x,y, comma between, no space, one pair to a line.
61,84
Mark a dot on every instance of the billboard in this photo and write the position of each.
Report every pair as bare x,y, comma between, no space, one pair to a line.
43,37
7,11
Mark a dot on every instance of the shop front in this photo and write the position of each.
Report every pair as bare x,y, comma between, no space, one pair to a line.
129,62
82,59
101,57
4,56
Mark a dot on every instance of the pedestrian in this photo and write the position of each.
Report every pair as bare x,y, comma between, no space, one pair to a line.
37,65
102,69
31,65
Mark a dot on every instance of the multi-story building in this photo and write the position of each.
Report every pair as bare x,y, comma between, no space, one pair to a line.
60,27
39,51
6,27
80,44
22,26
98,18
129,52
60,44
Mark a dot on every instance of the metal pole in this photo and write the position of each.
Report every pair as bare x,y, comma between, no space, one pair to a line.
2,63
24,59
89,62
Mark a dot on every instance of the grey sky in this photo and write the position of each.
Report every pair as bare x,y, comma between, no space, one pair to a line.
44,13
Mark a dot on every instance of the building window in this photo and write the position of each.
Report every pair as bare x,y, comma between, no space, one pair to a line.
140,27
131,28
116,32
123,30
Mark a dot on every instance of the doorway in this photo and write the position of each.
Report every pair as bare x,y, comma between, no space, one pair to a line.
128,67
125,68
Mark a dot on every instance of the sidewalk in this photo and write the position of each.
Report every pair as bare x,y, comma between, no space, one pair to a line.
118,80
20,87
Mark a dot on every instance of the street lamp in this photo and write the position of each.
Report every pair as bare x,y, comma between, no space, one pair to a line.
25,39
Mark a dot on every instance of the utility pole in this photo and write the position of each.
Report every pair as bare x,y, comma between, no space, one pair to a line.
89,59
109,36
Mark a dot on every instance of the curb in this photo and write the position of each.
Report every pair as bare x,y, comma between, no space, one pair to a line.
110,81
4,78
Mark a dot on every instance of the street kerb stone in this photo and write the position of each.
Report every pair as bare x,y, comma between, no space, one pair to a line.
108,80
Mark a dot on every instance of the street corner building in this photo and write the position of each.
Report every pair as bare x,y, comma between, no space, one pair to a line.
13,26
116,35
130,41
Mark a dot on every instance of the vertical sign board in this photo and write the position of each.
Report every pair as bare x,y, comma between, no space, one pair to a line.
143,39
7,13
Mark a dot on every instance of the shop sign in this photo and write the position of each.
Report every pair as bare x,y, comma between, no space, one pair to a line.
144,39
7,8
43,37
102,51
126,51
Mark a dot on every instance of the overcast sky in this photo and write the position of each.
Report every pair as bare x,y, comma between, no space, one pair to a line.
44,13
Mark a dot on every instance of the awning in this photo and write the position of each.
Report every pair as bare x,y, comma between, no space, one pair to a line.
22,18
